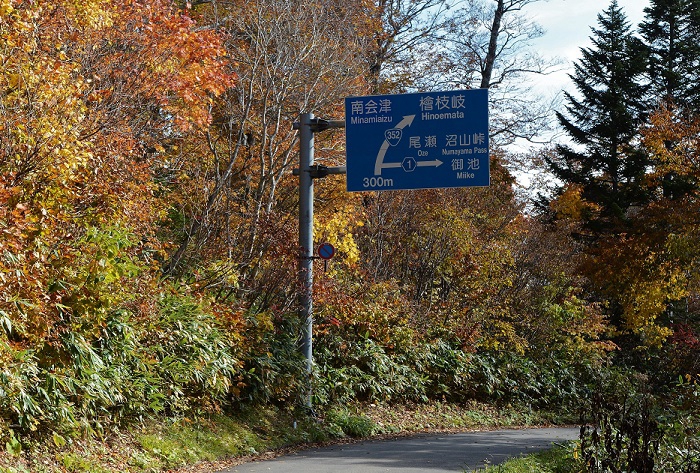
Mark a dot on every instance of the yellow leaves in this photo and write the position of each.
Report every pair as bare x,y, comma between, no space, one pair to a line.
6,8
337,229
673,140
653,335
644,277
571,205
581,322
14,81
47,115
644,300
74,113
503,336
93,14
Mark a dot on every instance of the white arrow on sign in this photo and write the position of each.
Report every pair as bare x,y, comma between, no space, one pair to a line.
435,163
379,163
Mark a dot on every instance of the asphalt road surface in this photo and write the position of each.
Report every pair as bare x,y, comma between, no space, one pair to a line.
423,453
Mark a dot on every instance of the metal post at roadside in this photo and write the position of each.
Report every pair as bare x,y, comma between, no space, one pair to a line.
306,239
307,172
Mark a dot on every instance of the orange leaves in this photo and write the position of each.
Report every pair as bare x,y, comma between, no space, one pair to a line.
647,262
186,65
152,52
655,264
91,93
643,278
82,80
674,141
375,309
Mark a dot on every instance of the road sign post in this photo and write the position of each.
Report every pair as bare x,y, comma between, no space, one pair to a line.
417,141
307,172
393,142
306,238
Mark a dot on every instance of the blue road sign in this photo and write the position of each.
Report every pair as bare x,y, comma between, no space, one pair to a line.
417,141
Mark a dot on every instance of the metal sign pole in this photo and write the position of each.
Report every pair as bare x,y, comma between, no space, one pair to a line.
307,172
306,240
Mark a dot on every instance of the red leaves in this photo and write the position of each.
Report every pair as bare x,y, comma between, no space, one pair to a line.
684,336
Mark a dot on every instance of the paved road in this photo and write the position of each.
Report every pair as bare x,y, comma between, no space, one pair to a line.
423,453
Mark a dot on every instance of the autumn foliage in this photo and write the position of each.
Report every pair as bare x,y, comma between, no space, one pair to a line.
149,239
92,93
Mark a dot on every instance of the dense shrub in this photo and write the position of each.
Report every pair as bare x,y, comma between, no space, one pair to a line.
195,359
274,370
96,383
627,428
445,367
351,425
554,381
362,370
129,369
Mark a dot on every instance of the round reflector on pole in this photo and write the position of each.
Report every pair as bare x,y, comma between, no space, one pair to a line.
326,251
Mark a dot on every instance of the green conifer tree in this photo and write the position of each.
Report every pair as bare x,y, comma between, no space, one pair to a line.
603,120
671,32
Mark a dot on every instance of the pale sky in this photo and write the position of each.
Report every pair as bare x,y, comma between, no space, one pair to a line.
567,25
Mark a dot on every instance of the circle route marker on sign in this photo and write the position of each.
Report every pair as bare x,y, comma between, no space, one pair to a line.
326,251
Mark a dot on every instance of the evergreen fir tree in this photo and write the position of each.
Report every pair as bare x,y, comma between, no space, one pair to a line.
603,122
671,31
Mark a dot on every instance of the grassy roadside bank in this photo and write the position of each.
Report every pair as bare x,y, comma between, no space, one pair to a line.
560,459
208,443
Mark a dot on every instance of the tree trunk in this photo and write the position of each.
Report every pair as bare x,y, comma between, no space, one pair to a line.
493,45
